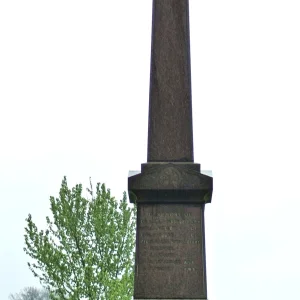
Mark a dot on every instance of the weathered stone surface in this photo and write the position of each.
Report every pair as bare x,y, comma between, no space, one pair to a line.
170,254
170,191
170,132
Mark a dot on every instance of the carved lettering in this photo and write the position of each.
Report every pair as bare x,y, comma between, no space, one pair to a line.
170,239
170,245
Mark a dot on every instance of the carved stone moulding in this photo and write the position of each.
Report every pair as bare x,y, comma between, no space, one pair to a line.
170,183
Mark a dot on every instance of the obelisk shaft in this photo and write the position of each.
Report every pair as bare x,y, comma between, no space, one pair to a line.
170,132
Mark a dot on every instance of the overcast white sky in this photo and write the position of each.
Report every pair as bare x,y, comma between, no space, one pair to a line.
74,83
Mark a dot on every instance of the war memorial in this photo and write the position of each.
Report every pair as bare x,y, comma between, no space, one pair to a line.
170,190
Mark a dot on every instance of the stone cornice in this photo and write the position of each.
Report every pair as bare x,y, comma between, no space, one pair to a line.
170,183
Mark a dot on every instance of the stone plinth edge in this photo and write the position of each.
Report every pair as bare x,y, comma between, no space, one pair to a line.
170,182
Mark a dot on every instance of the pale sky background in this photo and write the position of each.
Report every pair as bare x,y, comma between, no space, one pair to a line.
74,84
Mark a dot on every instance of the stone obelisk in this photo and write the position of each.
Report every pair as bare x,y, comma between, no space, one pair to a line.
170,191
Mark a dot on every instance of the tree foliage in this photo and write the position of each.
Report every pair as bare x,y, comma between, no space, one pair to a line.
87,249
30,293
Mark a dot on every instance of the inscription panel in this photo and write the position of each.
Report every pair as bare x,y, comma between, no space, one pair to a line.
170,257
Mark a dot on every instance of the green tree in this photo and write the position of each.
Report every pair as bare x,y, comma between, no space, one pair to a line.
87,250
30,293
